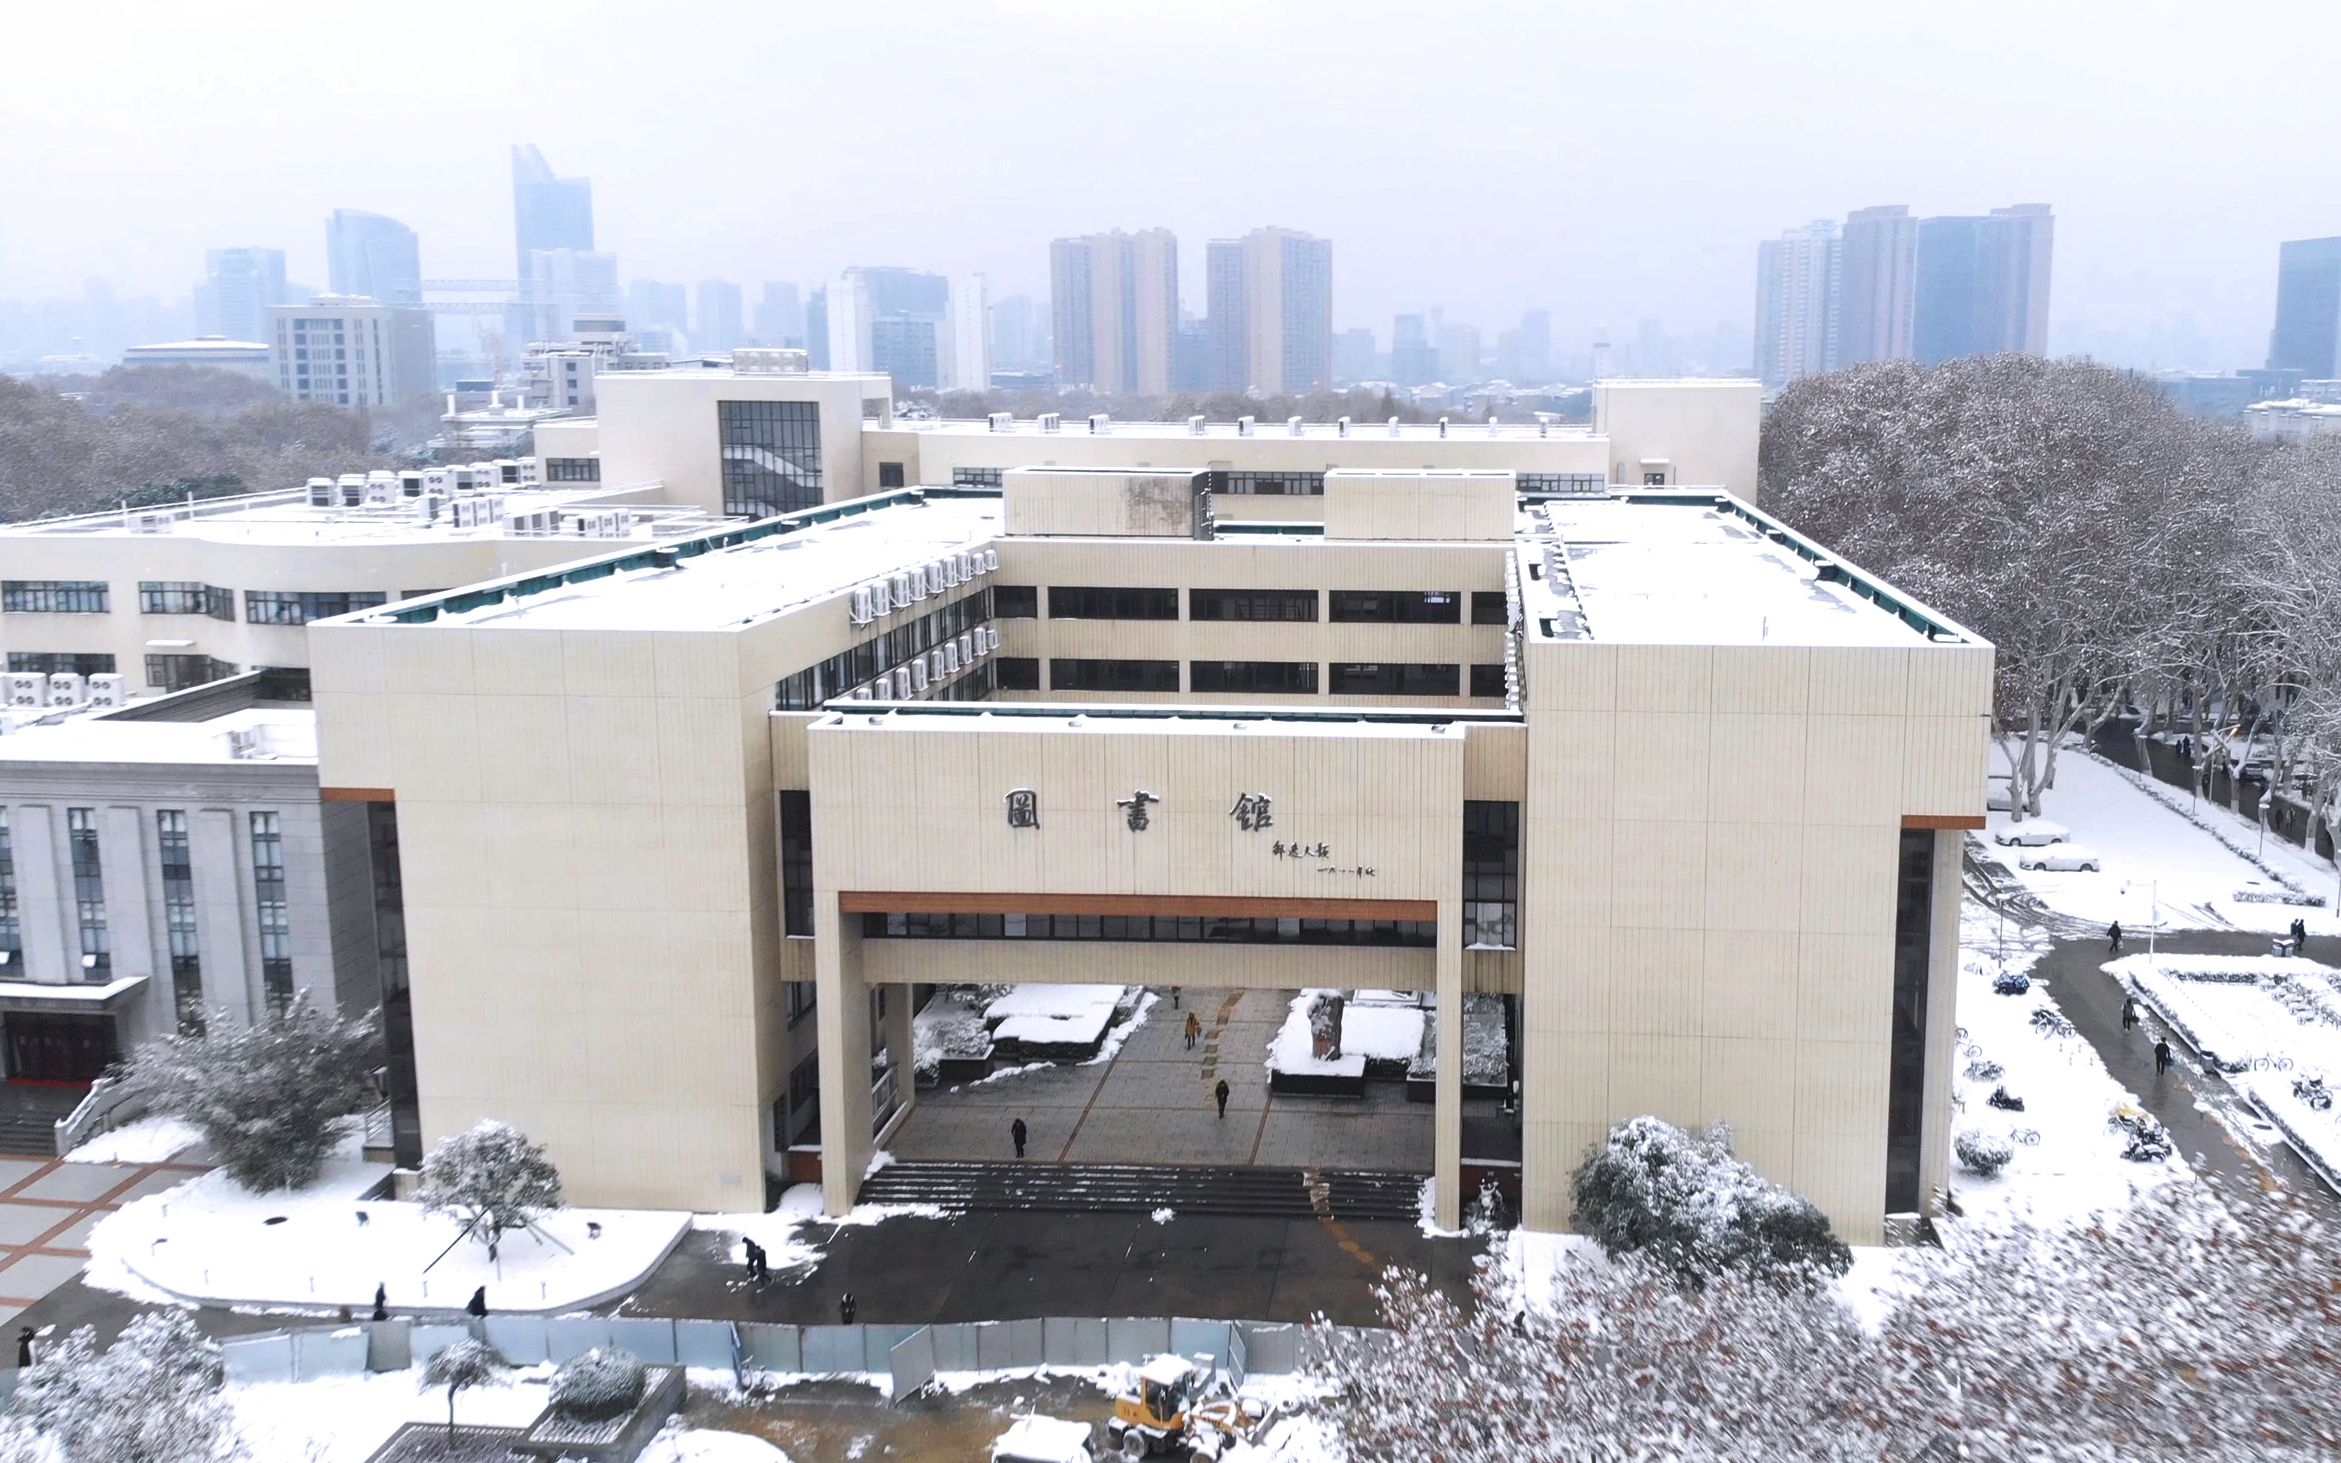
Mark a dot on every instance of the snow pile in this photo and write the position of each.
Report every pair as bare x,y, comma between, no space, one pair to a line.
154,1139
208,1240
344,1419
1111,1047
1079,1029
680,1444
1294,1049
781,1232
1381,1033
1301,1439
949,1027
1164,1215
1057,1002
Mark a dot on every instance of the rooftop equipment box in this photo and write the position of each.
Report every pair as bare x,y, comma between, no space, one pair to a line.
1107,502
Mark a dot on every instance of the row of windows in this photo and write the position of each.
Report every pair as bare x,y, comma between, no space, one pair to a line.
1419,934
1296,606
1312,484
1561,482
50,662
771,456
1253,677
179,672
842,672
975,477
1270,484
1248,677
185,597
1111,602
573,469
55,597
1393,678
1113,675
1491,873
299,607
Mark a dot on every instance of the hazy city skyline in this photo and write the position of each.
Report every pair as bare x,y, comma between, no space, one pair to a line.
1609,166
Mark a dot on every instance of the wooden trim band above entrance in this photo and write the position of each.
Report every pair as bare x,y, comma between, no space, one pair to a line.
367,795
1206,906
1969,821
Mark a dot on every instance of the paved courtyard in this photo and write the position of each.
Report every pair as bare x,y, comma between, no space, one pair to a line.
47,1209
1152,1103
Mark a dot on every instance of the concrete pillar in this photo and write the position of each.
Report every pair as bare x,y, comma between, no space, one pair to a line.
842,1015
1942,1017
902,1047
1447,1104
44,896
122,855
219,914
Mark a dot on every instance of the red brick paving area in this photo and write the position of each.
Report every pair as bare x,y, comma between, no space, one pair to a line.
69,1213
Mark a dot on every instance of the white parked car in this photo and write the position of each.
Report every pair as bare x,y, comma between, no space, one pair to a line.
2031,833
2062,858
1037,1439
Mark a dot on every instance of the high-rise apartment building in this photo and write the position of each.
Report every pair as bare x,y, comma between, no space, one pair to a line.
1796,303
654,305
348,350
1414,361
239,287
969,363
1459,353
547,212
1020,334
1354,355
368,254
1227,317
780,316
717,325
1272,290
2308,309
889,319
1114,302
1880,259
1981,284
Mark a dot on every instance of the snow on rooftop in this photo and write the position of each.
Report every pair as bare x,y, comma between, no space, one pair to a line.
1675,573
1455,431
752,581
287,518
257,734
1174,721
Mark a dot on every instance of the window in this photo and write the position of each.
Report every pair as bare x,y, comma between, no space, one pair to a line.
1561,482
51,662
1366,678
178,672
1113,675
89,893
1654,478
299,607
11,927
1914,887
975,477
840,673
802,995
183,597
282,683
1183,929
1491,874
771,456
1487,680
178,870
54,596
1397,607
1254,677
1015,601
1252,604
275,921
573,469
889,474
796,862
804,1097
1111,602
1273,484
1017,672
1488,607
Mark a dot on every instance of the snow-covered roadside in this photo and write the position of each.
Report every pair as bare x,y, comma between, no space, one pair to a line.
154,1139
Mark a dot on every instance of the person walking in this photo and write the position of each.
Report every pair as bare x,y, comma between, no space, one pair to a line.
1194,1029
2161,1056
2129,1013
381,1302
1019,1132
846,1309
1174,998
748,1257
2299,936
1220,1092
477,1306
24,1346
2113,938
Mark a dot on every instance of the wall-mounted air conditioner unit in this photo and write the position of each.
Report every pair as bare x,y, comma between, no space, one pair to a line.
935,583
918,675
991,561
951,575
950,654
858,607
902,683
992,634
967,651
858,693
909,588
881,598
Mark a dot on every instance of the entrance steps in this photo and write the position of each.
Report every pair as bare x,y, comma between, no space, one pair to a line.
29,1113
1076,1188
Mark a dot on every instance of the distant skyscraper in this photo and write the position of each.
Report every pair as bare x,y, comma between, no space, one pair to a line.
1534,361
1353,355
566,284
1414,361
1982,284
1796,303
654,305
547,212
969,367
716,325
1227,319
1019,334
889,319
368,254
1459,353
1191,360
817,328
239,287
1874,298
1114,303
780,315
1287,310
2307,337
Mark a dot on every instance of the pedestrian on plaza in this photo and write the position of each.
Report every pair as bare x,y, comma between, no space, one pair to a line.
1019,1132
752,1255
845,1309
2299,936
381,1302
2129,1013
2113,938
1174,998
477,1306
24,1346
2161,1056
1220,1092
1194,1029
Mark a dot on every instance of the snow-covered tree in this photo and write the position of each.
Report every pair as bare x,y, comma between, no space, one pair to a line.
267,1097
492,1177
459,1367
151,1397
604,1382
1686,1203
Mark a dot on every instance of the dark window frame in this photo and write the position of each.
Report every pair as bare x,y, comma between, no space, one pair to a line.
1128,677
1394,678
1113,602
1281,606
1394,606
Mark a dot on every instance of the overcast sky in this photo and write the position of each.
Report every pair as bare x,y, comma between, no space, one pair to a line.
1610,162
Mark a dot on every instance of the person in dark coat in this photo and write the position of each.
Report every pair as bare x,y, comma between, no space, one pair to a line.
478,1304
24,1346
2129,1013
846,1309
2113,938
1220,1092
752,1255
1020,1133
2161,1056
381,1302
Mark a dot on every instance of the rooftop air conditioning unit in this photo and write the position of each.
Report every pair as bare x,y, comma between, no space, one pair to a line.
991,560
1341,426
918,675
1292,425
1244,426
28,688
910,586
321,492
1442,426
151,523
859,610
1196,425
108,688
66,689
410,484
438,480
1048,421
243,743
1001,421
1100,423
350,489
902,683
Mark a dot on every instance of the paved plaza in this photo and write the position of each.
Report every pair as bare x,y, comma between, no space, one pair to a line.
1152,1103
47,1209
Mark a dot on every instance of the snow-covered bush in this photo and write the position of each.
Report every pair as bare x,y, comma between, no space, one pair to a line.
491,1177
268,1098
1981,1153
459,1367
604,1382
1684,1201
152,1397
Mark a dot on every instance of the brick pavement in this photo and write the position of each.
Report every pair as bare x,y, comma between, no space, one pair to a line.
47,1209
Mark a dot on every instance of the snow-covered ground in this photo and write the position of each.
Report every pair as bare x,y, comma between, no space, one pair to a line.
2158,865
209,1240
785,1232
1294,1048
155,1139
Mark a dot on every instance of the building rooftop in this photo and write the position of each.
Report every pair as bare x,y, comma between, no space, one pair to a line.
284,734
288,517
1321,431
1160,719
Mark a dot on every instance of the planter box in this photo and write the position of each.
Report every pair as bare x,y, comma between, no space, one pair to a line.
1319,1084
616,1440
1426,1089
954,1070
